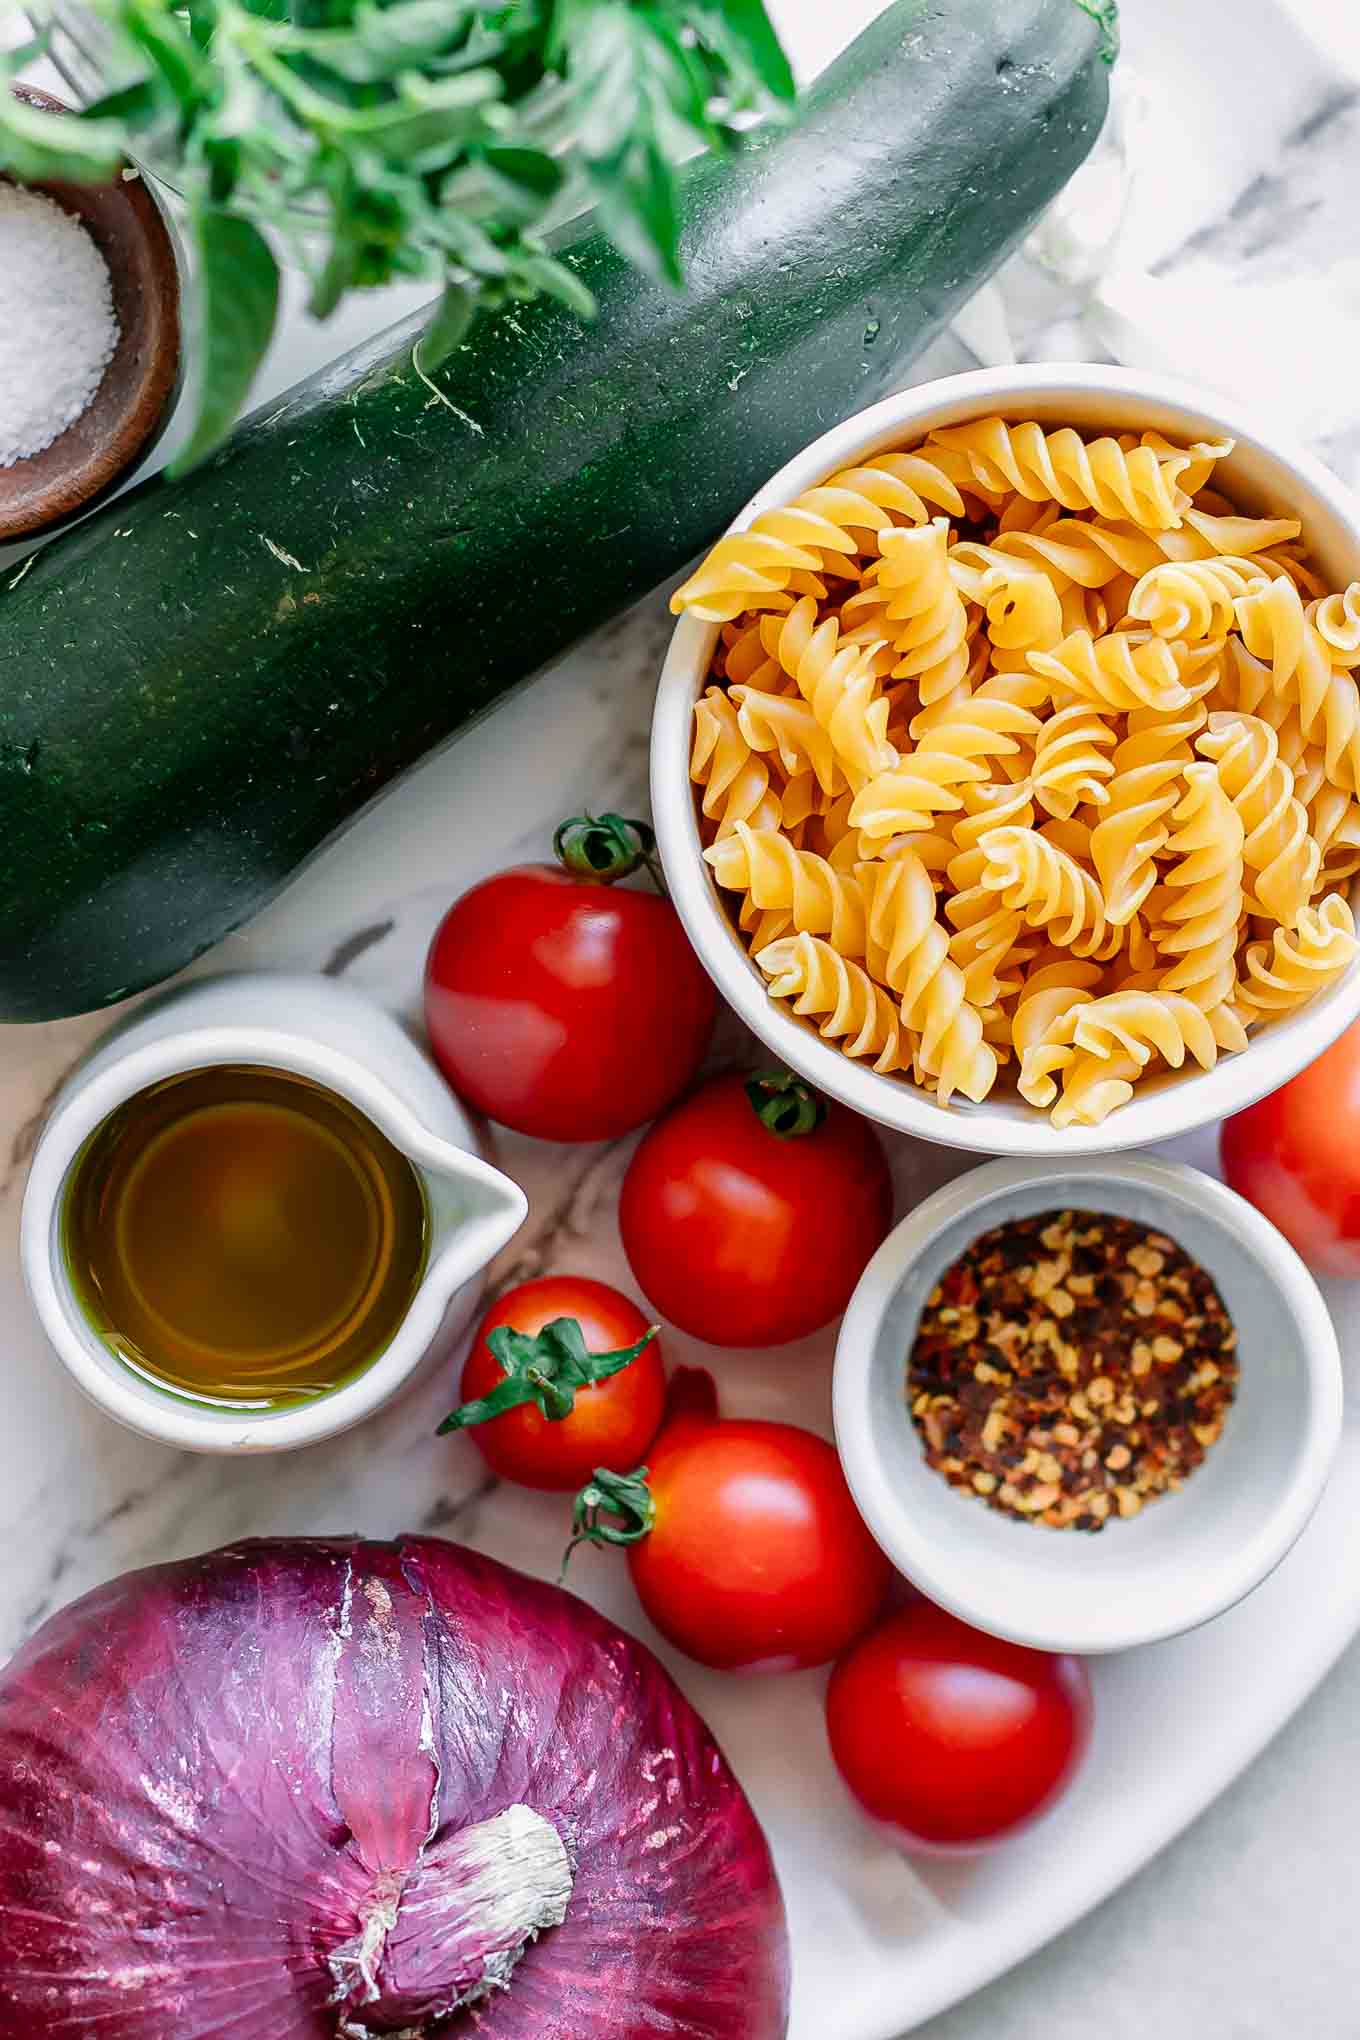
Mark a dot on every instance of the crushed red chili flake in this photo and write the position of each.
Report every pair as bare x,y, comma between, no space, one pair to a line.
1071,1367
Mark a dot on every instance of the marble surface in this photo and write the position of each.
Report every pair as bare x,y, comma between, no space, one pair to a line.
1235,258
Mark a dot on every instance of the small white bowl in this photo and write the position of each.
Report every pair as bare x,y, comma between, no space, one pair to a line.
1267,472
1189,1555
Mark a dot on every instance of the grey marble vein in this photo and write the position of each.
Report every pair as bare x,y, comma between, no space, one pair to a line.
1297,213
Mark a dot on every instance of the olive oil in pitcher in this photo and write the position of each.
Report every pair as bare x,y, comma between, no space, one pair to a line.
244,1237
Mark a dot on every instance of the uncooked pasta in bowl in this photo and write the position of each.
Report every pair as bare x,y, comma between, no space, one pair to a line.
1023,755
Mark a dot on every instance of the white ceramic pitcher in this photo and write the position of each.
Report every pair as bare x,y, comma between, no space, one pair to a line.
313,1028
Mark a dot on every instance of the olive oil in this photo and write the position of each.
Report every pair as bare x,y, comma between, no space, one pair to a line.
243,1237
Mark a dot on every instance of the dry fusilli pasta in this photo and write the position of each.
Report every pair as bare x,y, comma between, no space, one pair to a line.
847,1004
1029,760
817,899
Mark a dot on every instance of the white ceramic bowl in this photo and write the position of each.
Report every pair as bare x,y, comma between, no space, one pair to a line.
1266,472
1189,1555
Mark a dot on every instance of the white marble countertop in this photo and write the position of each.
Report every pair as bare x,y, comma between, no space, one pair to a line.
1246,145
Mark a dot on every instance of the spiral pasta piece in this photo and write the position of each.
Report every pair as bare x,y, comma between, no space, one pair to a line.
1276,627
913,604
818,899
1194,599
1023,603
841,996
1070,765
798,798
1246,685
736,781
1146,786
839,682
987,935
1121,671
1298,963
1277,844
1094,1086
1337,621
1048,887
908,950
785,725
1045,1021
761,925
1334,823
1200,923
1143,1023
956,741
890,485
1140,483
752,569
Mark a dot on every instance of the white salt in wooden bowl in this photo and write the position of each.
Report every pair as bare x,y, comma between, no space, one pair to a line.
133,402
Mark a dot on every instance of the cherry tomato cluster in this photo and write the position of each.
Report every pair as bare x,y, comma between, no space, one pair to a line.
572,1008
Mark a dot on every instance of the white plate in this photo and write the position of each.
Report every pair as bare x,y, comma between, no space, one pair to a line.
882,1942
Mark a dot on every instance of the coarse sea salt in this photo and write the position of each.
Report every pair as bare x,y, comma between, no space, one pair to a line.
58,329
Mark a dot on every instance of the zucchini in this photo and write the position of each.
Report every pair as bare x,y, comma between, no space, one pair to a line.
205,679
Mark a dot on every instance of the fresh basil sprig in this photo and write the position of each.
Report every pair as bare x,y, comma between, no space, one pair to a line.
373,140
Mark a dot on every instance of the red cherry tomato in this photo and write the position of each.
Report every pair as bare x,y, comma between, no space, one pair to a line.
756,1558
747,1236
612,1422
565,1007
953,1737
1296,1155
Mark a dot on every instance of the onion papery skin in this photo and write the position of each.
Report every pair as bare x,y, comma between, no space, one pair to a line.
244,1797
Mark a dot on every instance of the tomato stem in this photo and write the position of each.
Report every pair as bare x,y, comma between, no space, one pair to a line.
784,1104
607,847
545,1367
624,1497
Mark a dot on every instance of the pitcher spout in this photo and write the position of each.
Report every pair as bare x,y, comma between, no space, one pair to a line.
475,1210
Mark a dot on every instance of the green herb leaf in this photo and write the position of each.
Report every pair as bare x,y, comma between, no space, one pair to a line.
448,326
524,180
236,304
625,80
434,138
36,144
427,124
137,104
167,40
1105,14
741,33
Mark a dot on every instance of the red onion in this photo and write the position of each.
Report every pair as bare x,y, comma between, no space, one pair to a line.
304,1789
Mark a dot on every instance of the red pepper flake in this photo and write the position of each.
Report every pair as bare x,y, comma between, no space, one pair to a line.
1070,1368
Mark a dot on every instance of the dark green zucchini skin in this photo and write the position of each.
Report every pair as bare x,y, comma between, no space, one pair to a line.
204,680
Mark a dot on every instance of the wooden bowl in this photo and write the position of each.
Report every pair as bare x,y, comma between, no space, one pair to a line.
133,401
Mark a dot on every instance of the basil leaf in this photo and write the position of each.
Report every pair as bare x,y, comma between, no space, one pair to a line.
237,299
